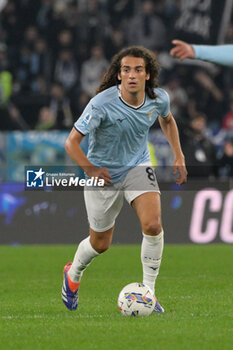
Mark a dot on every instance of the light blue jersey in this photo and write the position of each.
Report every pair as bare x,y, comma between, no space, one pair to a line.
222,54
118,132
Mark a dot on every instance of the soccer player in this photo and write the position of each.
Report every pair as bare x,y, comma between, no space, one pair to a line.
118,119
221,54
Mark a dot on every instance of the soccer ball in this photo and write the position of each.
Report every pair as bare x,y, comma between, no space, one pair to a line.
136,299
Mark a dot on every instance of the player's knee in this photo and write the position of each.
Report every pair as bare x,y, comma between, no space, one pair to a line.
101,241
152,227
101,246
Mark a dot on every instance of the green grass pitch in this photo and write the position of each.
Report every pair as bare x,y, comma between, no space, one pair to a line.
195,286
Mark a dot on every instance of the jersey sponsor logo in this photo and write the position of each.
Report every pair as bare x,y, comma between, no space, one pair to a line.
86,119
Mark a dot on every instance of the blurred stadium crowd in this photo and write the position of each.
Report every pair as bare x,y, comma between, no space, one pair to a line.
53,54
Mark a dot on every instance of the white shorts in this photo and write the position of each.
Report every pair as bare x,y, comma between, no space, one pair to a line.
103,205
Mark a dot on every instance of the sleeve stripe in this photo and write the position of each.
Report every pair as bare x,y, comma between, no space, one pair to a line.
79,130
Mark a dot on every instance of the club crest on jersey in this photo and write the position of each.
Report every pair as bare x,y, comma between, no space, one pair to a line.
86,119
150,114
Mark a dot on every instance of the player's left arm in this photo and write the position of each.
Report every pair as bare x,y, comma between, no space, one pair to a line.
220,54
169,127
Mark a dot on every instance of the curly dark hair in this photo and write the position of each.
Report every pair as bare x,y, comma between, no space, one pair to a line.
110,78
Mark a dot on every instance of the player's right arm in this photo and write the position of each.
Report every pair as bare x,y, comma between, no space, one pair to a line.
73,149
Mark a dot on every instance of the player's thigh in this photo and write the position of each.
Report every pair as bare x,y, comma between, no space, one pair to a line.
148,209
142,192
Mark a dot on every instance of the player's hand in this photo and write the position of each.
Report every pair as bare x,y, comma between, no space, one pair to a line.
182,50
179,168
100,173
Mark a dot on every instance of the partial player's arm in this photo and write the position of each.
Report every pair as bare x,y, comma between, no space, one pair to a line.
221,54
75,152
169,127
182,50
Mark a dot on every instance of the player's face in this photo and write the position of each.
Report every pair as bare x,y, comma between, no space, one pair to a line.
133,75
